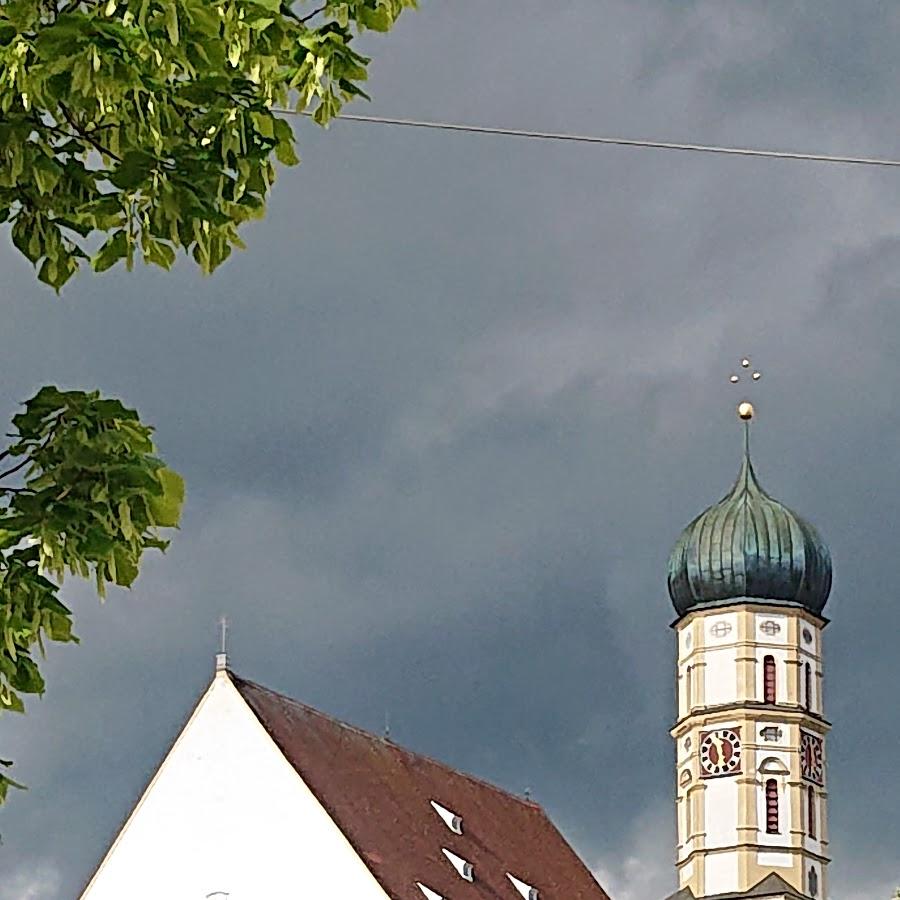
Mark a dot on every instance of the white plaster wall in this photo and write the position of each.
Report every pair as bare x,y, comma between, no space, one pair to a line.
721,873
807,865
814,647
683,822
226,812
684,690
775,860
720,801
769,753
685,641
720,673
727,622
781,637
783,741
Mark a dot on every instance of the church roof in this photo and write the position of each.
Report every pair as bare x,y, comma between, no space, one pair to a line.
773,886
380,796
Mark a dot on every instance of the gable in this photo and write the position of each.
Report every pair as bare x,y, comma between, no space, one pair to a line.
226,812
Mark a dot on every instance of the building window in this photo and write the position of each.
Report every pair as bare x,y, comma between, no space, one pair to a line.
689,688
808,687
772,807
769,679
811,812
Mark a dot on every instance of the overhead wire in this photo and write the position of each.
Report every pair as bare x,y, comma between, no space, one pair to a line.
610,141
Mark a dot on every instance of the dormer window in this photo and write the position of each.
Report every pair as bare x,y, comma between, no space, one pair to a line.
526,890
450,818
464,869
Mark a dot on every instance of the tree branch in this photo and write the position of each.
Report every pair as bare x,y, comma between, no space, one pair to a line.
16,468
87,135
313,14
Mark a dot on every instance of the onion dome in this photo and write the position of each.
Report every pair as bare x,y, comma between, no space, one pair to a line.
749,546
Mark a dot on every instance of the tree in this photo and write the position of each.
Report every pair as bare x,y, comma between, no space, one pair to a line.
82,492
140,127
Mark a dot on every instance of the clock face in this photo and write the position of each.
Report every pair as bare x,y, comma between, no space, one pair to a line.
812,757
720,752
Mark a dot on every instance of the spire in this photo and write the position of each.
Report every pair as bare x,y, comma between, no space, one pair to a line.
748,545
745,412
222,655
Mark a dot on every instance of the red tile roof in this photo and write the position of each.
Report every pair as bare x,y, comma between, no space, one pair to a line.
379,796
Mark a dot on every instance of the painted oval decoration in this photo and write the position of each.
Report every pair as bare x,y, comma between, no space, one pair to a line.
720,752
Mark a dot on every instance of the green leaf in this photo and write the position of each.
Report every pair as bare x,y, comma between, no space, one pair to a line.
126,567
150,121
166,508
111,252
134,169
286,153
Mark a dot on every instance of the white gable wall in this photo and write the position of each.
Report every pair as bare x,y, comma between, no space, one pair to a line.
227,812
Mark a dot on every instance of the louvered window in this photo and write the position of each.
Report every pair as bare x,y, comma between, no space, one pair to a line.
769,679
772,825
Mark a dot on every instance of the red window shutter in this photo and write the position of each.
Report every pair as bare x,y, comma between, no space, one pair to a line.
769,679
772,807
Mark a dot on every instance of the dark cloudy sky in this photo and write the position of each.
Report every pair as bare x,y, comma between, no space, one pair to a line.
444,418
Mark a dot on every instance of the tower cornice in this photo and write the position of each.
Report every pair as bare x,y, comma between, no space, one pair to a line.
767,712
754,604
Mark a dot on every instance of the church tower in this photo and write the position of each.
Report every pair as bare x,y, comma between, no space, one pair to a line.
749,580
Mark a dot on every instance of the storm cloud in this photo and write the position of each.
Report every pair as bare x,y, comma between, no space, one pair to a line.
444,418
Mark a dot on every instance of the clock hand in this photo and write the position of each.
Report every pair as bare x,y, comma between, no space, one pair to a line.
719,744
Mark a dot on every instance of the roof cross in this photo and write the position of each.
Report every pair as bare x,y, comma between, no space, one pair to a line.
745,408
222,655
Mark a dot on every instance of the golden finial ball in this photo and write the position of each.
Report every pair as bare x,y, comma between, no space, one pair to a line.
745,411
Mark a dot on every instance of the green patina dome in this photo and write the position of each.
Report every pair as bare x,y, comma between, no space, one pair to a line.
749,546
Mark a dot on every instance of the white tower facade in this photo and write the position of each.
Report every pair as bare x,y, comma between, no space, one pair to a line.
750,748
749,580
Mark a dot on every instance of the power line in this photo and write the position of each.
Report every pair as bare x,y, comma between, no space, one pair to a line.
613,141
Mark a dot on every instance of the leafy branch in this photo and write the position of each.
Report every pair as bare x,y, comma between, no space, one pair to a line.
91,499
149,126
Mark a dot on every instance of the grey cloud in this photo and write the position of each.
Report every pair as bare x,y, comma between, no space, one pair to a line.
444,418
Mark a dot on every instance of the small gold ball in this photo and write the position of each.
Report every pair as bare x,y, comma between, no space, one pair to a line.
745,411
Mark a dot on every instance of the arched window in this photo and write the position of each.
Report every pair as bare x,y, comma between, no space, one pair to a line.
811,812
769,679
772,826
808,690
